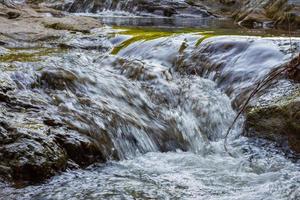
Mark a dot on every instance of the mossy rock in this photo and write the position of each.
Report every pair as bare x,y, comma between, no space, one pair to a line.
28,54
278,121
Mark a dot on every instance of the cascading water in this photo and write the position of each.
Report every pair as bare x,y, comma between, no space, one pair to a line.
148,99
151,8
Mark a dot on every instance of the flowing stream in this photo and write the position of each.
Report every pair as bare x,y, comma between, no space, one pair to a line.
163,109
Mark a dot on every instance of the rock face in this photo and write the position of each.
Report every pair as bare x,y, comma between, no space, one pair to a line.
278,120
33,145
28,156
278,13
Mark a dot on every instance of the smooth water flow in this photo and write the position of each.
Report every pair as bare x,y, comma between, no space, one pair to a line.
159,106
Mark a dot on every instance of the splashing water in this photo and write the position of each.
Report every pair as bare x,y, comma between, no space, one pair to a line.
163,122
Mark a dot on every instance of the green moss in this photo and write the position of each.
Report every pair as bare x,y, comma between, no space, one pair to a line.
28,55
138,34
206,35
277,120
146,34
278,106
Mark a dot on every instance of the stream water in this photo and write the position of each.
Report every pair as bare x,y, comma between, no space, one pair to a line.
166,113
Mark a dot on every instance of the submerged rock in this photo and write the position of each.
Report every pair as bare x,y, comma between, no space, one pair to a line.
237,63
3,51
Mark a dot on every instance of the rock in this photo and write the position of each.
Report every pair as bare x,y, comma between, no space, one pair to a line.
6,83
28,156
43,28
280,13
277,120
72,23
13,15
294,69
81,149
58,79
96,41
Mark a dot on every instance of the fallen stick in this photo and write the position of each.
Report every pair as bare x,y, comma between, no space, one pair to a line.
291,68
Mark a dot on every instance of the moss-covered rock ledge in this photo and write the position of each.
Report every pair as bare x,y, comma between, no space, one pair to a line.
278,120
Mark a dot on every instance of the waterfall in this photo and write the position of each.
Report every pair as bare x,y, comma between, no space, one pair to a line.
166,8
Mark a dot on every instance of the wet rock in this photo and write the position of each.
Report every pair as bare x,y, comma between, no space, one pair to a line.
28,156
81,149
219,8
277,119
6,83
98,40
58,79
13,15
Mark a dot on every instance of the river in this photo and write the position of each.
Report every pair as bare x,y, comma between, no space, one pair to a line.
166,113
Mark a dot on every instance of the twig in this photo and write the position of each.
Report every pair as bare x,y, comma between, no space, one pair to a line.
264,84
260,86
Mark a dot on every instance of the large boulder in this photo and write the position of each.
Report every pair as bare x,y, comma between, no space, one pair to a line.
26,25
36,143
27,155
276,119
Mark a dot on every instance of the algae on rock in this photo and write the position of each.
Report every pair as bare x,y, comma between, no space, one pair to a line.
278,120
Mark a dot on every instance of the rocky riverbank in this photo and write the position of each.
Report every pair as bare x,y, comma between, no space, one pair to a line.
248,13
30,151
